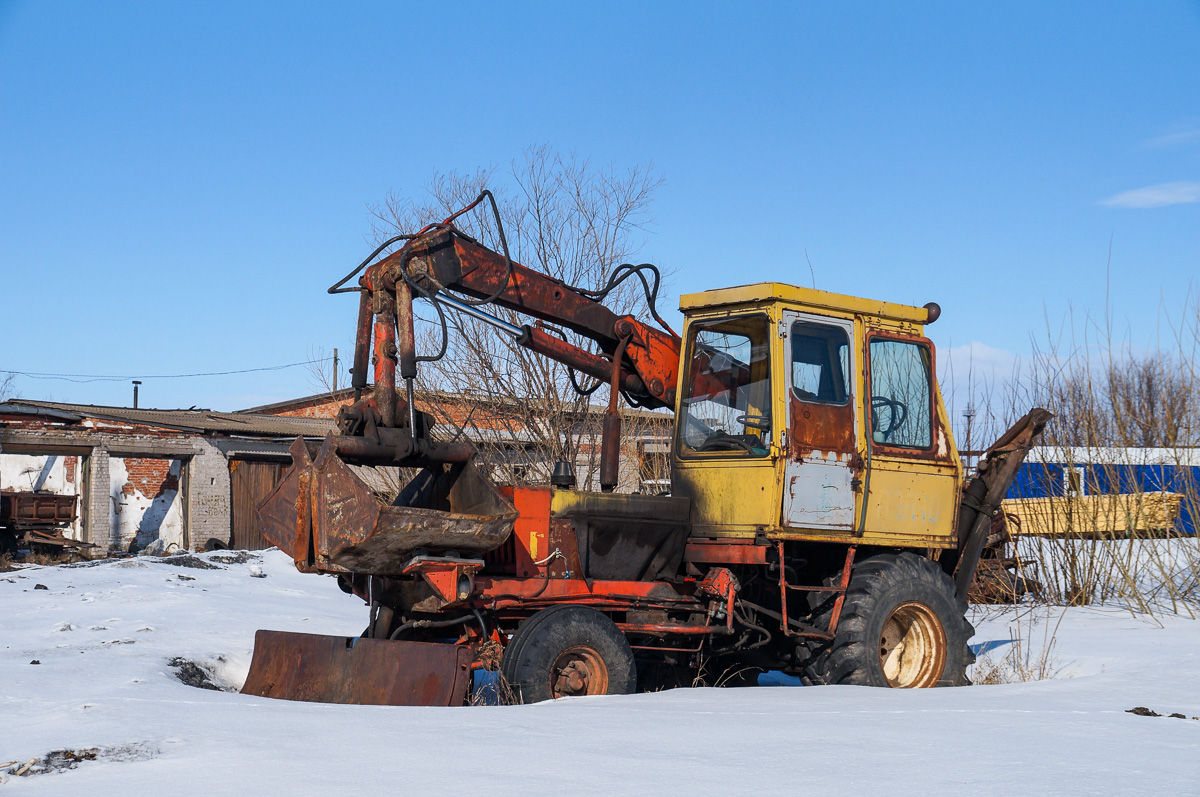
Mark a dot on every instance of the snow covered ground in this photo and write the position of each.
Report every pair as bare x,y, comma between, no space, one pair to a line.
104,635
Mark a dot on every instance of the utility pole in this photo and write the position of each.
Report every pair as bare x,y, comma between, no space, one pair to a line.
335,370
969,415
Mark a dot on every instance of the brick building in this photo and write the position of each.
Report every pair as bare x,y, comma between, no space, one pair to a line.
192,479
184,479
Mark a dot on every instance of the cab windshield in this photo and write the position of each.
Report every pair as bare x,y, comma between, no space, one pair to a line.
727,403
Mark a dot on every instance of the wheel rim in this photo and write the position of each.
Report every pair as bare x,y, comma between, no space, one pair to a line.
912,647
578,671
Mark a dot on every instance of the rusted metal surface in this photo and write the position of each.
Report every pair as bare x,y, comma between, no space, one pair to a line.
444,258
38,518
727,552
406,339
328,520
22,510
983,493
517,592
667,629
1003,579
610,438
541,342
820,427
362,451
842,585
580,670
362,344
823,465
451,578
284,515
479,272
406,346
384,357
337,669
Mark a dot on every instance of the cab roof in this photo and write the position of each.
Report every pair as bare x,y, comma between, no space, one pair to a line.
808,297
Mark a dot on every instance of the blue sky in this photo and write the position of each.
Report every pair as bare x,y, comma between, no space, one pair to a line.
178,184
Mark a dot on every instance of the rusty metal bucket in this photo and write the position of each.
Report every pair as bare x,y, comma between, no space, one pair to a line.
336,669
328,520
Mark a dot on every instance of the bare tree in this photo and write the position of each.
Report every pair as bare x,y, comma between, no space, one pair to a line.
320,367
6,388
1144,402
566,218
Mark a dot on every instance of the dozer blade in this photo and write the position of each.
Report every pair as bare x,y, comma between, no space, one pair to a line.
338,669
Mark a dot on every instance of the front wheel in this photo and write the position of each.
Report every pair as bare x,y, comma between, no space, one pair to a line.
568,651
902,626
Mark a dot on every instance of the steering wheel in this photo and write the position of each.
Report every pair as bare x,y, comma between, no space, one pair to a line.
754,421
723,441
897,415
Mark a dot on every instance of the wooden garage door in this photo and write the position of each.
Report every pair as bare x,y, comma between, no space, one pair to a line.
249,482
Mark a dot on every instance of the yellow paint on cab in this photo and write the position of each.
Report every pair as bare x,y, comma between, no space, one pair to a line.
912,501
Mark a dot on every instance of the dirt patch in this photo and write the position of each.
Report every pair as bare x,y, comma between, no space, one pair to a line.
62,760
235,557
87,562
187,560
195,675
1142,711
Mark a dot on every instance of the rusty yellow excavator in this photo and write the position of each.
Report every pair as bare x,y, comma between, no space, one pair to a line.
819,521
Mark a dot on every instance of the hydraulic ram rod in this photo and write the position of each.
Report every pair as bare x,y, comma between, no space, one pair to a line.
537,340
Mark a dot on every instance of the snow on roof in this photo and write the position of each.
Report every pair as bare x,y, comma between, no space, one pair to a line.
1104,455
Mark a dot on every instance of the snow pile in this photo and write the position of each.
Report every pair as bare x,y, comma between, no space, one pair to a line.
104,710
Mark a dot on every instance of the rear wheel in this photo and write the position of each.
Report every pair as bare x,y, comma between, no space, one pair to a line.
902,626
568,651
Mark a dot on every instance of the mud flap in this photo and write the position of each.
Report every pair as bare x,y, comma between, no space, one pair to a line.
338,669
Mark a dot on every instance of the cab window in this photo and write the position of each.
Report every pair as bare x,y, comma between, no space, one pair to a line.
820,359
901,393
726,407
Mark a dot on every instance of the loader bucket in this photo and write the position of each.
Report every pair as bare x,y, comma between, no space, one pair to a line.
337,669
325,516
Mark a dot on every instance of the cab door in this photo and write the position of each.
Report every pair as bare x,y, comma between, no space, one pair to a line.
912,489
822,465
724,457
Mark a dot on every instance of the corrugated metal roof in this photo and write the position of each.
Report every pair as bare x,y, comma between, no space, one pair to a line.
316,398
1184,457
230,423
440,398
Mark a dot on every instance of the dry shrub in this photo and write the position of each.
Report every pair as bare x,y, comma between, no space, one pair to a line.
1029,655
498,692
1125,416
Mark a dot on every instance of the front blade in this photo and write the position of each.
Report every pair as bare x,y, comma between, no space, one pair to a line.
337,669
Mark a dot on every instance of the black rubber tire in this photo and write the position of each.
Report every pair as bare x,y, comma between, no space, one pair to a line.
880,586
529,659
